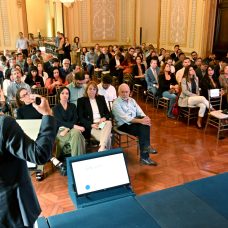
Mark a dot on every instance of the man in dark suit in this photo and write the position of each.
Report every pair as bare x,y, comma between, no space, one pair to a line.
19,204
151,76
201,71
104,59
174,55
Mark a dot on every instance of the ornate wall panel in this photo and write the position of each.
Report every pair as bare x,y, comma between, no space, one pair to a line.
164,17
178,23
103,18
5,23
193,24
84,20
123,21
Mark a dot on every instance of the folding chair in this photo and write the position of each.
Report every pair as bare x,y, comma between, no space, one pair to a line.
216,118
190,112
52,100
42,91
122,139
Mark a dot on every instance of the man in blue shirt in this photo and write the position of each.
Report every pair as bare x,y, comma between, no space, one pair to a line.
131,119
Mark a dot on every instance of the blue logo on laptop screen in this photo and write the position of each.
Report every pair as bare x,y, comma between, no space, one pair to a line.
87,187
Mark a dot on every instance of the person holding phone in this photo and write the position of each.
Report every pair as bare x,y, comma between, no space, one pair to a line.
26,110
19,204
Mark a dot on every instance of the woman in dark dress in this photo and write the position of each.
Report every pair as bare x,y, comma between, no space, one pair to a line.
138,73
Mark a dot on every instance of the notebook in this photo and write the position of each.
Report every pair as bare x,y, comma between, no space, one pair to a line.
31,128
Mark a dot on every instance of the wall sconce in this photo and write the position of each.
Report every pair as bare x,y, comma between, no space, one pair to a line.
68,3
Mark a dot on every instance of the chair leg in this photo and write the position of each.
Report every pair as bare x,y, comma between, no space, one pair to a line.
206,125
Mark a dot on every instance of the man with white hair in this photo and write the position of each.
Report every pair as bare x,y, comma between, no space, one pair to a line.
65,69
131,119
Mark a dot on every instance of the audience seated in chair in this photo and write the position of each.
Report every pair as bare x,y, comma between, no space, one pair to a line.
223,79
180,73
54,81
131,119
116,68
65,69
41,72
77,87
152,77
138,73
106,89
69,130
16,84
104,60
209,81
168,87
91,59
94,116
33,79
190,95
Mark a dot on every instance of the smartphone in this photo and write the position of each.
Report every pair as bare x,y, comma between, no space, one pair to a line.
101,125
38,100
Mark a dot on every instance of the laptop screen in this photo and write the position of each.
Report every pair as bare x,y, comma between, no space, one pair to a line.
100,173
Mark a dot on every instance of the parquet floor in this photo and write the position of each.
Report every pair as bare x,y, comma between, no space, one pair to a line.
185,154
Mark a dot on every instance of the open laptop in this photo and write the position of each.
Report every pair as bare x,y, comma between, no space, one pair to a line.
31,128
100,177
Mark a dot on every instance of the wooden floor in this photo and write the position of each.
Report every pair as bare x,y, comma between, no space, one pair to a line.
184,154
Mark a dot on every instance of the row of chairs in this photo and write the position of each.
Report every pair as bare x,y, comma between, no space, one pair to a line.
215,118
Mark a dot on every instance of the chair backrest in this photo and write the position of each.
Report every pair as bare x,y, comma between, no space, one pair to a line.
58,89
42,91
128,78
52,100
215,98
13,108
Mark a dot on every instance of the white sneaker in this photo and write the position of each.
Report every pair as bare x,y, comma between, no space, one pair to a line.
102,148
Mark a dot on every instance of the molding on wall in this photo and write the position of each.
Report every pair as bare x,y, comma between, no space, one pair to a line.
123,21
164,17
103,20
193,24
5,23
177,22
84,20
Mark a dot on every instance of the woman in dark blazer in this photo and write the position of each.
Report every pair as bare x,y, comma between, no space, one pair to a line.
138,73
94,116
69,129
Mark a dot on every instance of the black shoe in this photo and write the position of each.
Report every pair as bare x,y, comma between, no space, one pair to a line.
171,117
151,150
39,176
93,143
62,169
148,161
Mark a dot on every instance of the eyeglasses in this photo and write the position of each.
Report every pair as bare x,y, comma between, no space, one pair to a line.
24,95
66,63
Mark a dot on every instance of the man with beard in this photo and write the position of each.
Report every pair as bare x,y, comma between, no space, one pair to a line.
77,87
